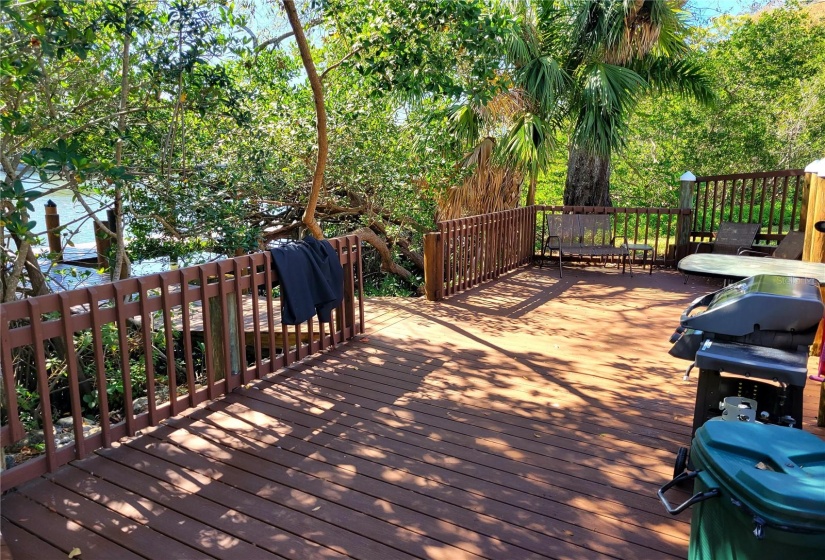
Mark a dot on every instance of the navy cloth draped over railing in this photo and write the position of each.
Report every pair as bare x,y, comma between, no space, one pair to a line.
311,280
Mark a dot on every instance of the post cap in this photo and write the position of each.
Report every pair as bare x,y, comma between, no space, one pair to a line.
687,176
812,167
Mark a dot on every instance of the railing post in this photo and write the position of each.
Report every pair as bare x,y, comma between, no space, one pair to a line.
814,207
433,266
686,193
349,294
807,178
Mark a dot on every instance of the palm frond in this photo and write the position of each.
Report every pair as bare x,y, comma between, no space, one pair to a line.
488,189
685,76
481,154
544,79
529,144
465,124
608,93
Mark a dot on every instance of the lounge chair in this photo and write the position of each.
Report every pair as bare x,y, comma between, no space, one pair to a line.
731,238
789,248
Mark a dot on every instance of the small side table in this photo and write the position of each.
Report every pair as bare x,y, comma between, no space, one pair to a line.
645,249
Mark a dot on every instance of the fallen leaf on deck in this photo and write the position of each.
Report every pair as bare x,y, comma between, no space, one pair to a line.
75,553
316,508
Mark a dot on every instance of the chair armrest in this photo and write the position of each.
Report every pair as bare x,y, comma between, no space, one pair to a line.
702,243
547,242
742,251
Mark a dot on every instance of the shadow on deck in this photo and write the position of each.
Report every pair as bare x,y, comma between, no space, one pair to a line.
534,417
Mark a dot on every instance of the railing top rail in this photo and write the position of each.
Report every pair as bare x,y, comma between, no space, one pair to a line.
756,175
612,209
465,219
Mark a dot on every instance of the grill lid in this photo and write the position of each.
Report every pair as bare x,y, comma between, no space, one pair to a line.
764,302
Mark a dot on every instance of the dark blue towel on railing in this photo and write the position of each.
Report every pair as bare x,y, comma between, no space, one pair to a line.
311,280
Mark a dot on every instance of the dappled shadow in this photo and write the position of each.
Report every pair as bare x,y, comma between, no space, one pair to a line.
531,417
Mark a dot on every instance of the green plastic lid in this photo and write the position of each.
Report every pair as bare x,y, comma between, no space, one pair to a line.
777,473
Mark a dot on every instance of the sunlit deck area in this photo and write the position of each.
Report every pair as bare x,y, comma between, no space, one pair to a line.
532,417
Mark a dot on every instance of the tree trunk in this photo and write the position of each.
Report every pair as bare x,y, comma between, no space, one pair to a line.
120,269
588,179
320,115
531,190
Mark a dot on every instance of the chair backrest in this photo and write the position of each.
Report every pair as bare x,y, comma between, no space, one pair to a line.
733,236
597,230
791,246
563,229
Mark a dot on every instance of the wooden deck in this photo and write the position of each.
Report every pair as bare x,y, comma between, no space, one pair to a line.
531,418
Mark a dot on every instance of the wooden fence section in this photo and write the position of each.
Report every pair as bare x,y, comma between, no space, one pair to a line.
468,251
656,227
771,198
135,338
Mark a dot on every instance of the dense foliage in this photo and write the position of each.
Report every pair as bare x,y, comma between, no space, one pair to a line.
193,120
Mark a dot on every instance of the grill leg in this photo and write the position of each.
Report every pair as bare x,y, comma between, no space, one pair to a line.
707,398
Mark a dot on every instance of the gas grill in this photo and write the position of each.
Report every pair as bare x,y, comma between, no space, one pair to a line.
751,341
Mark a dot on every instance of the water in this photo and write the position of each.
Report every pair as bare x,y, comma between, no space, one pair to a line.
79,230
71,212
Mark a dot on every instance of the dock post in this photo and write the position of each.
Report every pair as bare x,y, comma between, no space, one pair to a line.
53,230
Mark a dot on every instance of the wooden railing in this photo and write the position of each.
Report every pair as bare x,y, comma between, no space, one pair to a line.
177,339
468,251
656,227
771,198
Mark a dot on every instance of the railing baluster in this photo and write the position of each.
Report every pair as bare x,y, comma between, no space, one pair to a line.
100,366
186,335
16,431
256,318
237,377
208,339
125,362
269,280
148,349
74,376
169,337
797,197
43,383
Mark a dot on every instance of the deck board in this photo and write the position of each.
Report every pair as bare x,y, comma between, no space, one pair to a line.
534,417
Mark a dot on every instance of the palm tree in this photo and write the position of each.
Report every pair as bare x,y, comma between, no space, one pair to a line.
614,51
579,66
512,135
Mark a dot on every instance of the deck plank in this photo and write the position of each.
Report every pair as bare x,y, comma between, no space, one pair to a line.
534,417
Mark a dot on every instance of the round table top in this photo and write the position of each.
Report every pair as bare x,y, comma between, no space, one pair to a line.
736,267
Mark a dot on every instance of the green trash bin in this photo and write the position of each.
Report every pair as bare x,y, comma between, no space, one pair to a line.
759,493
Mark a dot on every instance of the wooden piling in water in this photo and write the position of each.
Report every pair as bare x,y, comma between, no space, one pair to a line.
53,230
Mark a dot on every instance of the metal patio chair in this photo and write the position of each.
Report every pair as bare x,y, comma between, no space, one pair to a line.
731,238
789,248
563,237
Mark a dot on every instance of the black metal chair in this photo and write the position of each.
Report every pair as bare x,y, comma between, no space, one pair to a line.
731,237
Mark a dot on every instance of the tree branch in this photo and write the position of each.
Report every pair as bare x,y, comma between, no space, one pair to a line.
339,63
275,41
